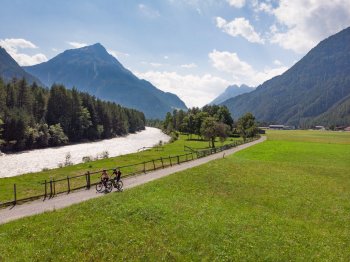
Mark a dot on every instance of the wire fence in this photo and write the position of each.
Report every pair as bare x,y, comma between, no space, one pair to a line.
54,187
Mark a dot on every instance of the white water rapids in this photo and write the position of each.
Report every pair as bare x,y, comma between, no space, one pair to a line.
38,159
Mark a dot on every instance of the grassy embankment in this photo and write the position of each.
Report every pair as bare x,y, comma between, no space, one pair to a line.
285,199
29,184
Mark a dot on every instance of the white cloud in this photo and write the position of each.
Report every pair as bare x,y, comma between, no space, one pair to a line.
241,71
117,54
148,11
239,27
308,21
188,66
77,44
198,90
262,6
166,57
267,74
194,90
277,62
13,45
153,64
27,60
236,3
229,62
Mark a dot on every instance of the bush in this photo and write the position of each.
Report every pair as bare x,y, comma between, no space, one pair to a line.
174,136
87,159
105,154
68,161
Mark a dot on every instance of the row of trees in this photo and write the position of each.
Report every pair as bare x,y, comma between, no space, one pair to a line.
34,117
210,122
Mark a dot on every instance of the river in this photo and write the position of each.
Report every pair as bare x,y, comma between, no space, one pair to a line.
48,158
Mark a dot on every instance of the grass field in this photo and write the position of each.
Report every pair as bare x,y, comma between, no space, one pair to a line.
29,184
285,199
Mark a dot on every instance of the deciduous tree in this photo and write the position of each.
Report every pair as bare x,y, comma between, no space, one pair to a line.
246,126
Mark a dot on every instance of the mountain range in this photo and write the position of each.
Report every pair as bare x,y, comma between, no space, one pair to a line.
230,92
92,69
10,69
315,91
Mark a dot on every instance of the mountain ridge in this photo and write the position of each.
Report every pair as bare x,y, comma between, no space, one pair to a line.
230,92
305,91
92,69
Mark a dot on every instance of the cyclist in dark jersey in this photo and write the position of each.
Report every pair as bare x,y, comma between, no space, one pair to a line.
117,174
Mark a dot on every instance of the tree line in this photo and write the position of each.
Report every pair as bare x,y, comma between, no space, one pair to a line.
37,117
210,122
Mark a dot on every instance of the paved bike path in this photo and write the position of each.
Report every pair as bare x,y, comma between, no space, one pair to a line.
61,201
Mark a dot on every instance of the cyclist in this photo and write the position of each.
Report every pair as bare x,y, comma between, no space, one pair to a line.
104,177
117,175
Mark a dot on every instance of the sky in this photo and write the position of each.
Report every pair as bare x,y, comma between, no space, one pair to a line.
193,48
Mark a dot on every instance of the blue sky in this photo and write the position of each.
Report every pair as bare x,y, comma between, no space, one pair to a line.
194,48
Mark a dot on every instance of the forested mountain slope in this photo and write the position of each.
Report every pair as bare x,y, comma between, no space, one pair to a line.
310,92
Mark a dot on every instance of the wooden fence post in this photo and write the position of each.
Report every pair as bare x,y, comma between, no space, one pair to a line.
171,164
54,187
88,182
161,159
144,167
68,182
45,190
14,194
51,191
154,165
192,155
178,160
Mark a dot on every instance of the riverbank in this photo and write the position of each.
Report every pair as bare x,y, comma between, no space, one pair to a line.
49,158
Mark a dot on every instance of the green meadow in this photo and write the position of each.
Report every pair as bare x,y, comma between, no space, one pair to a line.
286,199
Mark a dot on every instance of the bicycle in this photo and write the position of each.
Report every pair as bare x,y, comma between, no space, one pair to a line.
104,186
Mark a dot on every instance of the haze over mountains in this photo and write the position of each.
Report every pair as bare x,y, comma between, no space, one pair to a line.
230,92
92,69
9,69
316,90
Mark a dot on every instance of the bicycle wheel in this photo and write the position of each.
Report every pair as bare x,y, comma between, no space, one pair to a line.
120,185
109,187
99,187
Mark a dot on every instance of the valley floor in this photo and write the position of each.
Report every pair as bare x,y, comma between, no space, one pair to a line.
284,199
